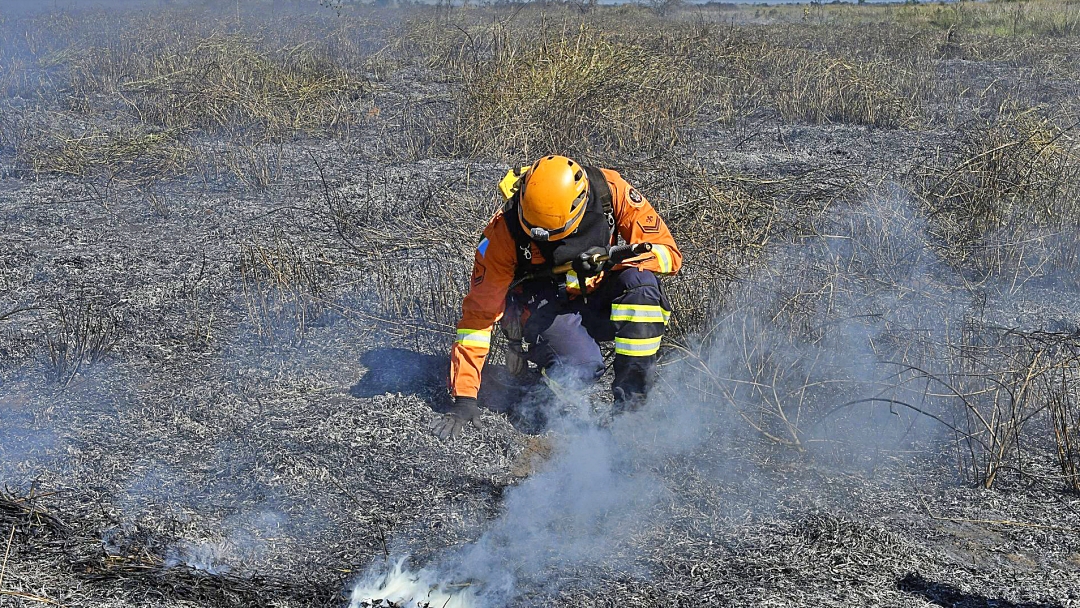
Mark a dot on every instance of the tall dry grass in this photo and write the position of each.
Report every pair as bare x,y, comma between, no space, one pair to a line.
492,82
622,82
1007,190
139,95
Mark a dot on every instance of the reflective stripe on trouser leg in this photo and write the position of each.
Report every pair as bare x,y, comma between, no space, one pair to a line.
639,315
635,357
637,347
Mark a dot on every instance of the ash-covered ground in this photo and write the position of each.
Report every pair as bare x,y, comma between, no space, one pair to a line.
213,394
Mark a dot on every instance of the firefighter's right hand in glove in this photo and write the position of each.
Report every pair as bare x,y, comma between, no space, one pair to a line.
584,264
449,425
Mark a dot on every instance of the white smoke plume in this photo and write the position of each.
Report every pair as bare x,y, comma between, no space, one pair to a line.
582,507
402,587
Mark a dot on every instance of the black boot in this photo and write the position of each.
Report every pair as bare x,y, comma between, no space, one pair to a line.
626,402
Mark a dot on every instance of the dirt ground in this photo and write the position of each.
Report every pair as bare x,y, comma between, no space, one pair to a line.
219,395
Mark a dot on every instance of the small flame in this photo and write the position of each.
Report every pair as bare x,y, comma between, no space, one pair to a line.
404,588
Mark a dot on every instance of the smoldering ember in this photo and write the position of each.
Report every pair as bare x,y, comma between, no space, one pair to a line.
236,239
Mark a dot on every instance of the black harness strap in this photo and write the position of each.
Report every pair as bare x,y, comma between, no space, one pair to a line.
603,195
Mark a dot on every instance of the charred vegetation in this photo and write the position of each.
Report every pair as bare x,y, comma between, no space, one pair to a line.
235,241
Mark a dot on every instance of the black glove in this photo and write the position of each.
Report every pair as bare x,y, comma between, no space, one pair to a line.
583,264
449,425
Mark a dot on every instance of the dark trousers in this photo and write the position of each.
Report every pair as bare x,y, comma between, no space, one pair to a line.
563,333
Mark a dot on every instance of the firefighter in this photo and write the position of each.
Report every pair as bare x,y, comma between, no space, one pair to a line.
557,212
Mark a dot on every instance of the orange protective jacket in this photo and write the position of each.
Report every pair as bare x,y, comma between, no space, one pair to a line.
496,261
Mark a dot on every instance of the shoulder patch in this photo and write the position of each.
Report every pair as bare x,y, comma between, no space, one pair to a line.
482,247
635,197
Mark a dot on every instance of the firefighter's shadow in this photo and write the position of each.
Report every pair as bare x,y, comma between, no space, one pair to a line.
524,399
398,370
943,594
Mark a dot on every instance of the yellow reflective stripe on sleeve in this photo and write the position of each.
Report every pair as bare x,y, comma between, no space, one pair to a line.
663,257
474,337
572,281
637,347
639,313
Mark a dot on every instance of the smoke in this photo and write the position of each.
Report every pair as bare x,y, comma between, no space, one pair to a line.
582,507
26,447
244,542
829,348
399,585
218,527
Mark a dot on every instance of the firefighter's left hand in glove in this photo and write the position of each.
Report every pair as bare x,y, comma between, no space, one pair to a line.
450,424
585,265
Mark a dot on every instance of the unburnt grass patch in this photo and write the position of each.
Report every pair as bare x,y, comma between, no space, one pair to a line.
626,83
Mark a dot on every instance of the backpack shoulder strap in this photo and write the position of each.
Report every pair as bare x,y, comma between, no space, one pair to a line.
510,189
598,182
522,243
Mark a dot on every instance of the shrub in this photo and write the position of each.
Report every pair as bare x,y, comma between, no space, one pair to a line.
1005,180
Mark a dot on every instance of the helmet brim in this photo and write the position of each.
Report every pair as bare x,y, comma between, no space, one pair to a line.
543,233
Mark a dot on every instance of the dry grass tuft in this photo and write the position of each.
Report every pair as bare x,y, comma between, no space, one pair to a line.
633,83
1005,180
220,82
136,155
138,94
823,87
1034,19
285,289
78,335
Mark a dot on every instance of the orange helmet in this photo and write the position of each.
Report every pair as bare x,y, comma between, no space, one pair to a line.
554,193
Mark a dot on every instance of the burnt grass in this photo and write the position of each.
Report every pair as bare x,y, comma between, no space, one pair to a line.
226,299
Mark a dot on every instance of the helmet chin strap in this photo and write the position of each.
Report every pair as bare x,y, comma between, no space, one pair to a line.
539,234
